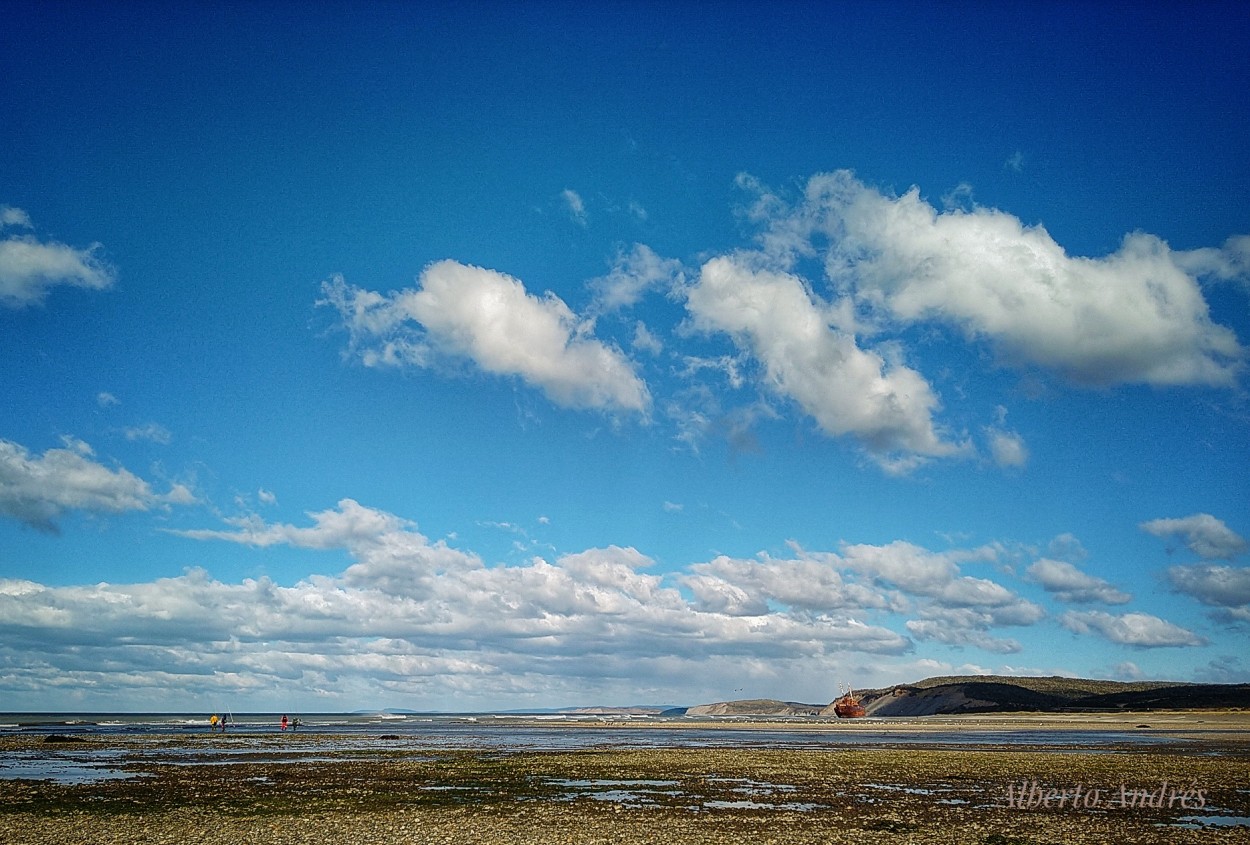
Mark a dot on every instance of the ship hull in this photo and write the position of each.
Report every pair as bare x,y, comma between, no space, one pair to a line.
848,708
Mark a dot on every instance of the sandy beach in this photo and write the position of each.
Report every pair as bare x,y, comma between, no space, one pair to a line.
1189,783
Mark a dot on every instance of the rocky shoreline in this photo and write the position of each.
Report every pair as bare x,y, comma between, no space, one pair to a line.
261,790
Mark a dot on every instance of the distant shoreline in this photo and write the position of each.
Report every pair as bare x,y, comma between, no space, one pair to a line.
1231,719
1188,720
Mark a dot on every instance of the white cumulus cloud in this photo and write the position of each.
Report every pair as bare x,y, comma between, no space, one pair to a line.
38,489
1070,584
1137,315
470,313
1134,629
778,320
899,577
1225,587
1205,535
960,632
29,267
810,581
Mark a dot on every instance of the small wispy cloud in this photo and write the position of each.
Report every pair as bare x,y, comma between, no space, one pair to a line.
645,341
576,208
10,216
153,432
1006,446
634,273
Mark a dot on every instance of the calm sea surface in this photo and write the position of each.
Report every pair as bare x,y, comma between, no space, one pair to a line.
564,731
258,737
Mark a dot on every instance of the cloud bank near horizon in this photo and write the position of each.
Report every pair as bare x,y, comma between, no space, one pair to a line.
433,623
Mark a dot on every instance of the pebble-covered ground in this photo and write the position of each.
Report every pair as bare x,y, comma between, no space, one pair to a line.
253,790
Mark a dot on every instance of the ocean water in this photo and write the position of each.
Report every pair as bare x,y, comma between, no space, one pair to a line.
257,737
569,731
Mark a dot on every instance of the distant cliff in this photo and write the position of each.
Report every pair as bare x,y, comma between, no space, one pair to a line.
1001,693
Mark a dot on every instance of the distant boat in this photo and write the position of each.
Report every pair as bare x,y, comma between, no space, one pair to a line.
848,706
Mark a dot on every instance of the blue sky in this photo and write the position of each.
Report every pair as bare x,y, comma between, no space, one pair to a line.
536,355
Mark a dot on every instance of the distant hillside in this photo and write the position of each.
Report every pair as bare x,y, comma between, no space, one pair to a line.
636,710
1049,684
755,707
1001,693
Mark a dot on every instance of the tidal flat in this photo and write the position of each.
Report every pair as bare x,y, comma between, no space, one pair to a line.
1185,788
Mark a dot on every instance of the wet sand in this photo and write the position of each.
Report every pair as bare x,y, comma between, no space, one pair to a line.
1190,787
1238,720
